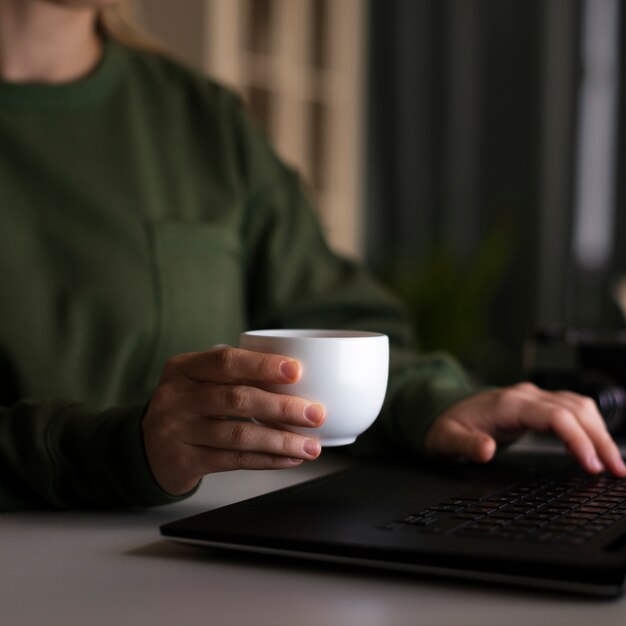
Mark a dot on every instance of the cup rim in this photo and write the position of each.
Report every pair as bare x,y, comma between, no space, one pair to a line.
308,334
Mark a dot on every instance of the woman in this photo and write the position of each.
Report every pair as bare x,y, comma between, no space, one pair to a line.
144,219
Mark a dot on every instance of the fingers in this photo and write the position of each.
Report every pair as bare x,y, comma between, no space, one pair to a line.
181,451
224,364
605,453
213,461
245,401
472,427
184,439
576,420
573,418
566,426
221,445
450,438
244,437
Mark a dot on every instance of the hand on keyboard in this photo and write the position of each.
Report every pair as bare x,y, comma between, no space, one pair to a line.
472,428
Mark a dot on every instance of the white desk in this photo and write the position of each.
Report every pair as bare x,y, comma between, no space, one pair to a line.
93,569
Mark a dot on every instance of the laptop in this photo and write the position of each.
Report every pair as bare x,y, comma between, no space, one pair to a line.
531,519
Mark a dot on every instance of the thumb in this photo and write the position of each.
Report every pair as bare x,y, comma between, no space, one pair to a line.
453,439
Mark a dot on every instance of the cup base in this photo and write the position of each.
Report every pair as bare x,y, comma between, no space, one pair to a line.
333,443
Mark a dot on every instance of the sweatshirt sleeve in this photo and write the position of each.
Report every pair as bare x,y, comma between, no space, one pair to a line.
63,455
296,281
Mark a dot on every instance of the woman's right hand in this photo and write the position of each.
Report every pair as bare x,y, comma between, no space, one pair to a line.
187,430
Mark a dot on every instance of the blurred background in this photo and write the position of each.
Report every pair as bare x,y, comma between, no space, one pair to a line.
467,151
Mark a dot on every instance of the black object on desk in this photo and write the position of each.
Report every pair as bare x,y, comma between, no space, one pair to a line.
527,519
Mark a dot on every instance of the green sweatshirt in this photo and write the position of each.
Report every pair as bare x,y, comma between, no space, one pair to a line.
142,215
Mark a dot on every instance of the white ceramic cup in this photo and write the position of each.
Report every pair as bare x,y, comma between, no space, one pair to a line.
346,371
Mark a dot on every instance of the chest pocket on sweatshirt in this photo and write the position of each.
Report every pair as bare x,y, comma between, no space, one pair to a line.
198,288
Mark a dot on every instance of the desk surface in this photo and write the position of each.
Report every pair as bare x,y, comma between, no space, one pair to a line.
93,569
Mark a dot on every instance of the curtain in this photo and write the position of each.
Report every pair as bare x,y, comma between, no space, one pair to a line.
473,130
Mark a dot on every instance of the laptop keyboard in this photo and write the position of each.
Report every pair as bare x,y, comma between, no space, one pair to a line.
569,509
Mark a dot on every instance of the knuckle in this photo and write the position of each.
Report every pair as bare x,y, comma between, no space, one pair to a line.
236,398
288,408
160,398
588,405
163,428
560,417
275,462
286,443
264,362
526,387
251,460
238,437
171,366
270,461
159,408
170,429
225,357
504,399
244,460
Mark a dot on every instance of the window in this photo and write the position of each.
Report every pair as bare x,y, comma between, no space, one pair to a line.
299,66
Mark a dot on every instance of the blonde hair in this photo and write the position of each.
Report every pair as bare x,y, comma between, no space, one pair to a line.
119,21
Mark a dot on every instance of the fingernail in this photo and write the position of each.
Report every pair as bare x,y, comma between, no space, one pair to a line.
290,370
595,464
314,413
295,461
312,447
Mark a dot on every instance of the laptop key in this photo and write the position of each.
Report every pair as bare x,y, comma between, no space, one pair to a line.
545,510
482,491
591,509
446,508
421,521
467,516
448,525
547,537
